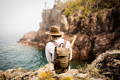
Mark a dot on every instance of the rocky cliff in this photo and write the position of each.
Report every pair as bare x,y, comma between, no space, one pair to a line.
96,25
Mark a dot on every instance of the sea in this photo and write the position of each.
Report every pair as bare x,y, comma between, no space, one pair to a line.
14,55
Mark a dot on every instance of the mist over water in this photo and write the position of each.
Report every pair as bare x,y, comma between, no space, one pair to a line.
18,17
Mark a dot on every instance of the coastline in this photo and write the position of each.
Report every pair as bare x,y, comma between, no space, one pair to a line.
33,44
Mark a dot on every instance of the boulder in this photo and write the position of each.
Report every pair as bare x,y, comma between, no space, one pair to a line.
109,64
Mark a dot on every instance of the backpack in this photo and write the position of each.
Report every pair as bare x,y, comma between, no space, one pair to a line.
62,55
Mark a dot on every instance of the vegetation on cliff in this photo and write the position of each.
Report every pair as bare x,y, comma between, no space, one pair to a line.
78,5
87,6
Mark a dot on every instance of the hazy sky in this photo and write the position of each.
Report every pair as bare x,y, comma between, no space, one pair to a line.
21,16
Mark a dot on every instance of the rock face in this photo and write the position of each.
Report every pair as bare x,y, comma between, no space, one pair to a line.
97,32
112,66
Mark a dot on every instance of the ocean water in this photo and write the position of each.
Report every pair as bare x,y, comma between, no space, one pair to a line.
13,55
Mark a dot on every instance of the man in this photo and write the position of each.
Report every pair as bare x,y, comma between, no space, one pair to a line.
51,51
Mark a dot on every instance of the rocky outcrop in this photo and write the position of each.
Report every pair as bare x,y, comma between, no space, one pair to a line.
29,39
30,36
105,67
46,73
109,64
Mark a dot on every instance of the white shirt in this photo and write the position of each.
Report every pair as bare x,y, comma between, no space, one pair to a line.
50,49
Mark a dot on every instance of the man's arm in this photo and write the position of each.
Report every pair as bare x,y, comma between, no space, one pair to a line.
48,54
49,51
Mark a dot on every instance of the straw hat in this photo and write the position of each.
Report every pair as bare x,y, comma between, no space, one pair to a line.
55,31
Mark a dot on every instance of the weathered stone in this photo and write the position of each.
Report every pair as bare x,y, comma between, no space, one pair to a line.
109,64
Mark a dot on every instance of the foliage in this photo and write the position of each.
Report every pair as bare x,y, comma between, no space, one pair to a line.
76,5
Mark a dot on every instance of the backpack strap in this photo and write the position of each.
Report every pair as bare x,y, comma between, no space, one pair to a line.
55,43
